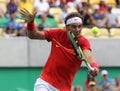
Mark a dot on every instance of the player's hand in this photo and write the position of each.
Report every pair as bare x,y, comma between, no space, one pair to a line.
94,72
28,17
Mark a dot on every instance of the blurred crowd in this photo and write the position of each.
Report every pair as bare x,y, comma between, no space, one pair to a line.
104,84
100,13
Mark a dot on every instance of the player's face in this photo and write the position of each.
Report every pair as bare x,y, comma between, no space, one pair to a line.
75,28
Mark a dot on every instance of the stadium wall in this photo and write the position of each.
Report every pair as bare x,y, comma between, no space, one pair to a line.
23,52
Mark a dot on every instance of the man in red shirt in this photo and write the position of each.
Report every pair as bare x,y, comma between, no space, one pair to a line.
62,64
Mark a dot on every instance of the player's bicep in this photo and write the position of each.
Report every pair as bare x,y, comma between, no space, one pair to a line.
89,56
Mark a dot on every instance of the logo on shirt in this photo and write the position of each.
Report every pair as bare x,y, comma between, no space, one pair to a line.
57,46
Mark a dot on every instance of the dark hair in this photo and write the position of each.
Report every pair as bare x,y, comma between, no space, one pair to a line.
77,87
12,12
71,15
9,28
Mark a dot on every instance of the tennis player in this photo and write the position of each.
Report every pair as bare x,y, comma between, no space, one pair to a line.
62,64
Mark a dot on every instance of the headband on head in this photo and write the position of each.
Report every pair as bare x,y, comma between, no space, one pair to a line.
74,20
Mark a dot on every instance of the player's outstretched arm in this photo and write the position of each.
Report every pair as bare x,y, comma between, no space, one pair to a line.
32,31
91,60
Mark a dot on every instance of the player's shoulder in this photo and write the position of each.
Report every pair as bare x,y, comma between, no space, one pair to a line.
82,38
57,30
83,41
56,33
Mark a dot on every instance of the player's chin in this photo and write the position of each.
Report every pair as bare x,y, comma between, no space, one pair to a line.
77,33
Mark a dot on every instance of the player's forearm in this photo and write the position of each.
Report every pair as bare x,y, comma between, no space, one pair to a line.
93,62
33,32
90,59
36,34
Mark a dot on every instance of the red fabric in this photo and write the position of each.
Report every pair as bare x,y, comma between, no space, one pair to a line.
102,8
65,1
62,63
94,64
31,26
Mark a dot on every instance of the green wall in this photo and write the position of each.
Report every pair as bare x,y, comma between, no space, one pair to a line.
23,79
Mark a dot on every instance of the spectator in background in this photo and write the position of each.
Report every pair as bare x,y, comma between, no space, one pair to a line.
87,82
62,2
9,32
18,26
21,29
105,82
27,4
111,18
42,8
99,19
12,6
38,6
12,21
63,14
87,17
92,86
54,3
118,21
78,5
102,6
1,13
117,3
77,88
116,85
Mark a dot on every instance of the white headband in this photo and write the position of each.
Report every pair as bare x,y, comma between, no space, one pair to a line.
74,20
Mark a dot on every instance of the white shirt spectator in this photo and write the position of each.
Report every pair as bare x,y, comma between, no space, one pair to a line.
63,14
41,6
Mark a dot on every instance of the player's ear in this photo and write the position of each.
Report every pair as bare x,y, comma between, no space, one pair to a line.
67,27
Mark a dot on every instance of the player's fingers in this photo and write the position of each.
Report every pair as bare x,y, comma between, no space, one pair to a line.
26,11
29,20
26,20
27,16
96,70
22,12
22,18
34,13
93,73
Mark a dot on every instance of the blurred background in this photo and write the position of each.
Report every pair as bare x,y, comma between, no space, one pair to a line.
22,59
